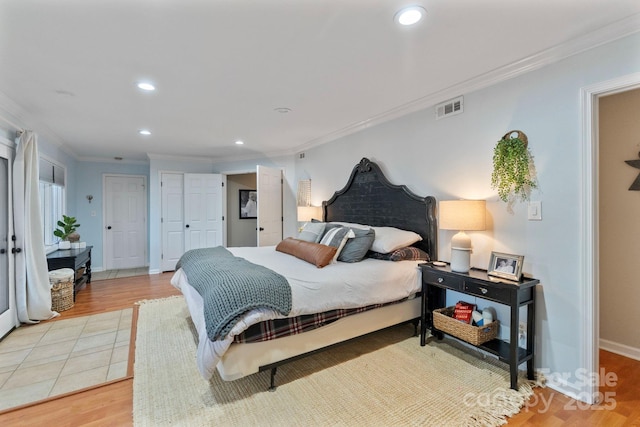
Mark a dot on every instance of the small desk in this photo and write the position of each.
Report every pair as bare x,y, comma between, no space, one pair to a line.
437,280
73,259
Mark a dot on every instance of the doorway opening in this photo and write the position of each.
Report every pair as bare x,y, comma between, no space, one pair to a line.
241,230
590,265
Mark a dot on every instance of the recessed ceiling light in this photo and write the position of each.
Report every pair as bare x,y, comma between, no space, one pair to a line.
146,86
144,132
410,15
238,142
282,110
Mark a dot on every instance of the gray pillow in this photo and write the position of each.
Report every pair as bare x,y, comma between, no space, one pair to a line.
334,236
356,248
312,232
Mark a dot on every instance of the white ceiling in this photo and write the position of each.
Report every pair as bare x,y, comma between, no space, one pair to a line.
68,67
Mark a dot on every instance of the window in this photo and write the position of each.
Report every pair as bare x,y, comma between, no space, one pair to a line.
52,198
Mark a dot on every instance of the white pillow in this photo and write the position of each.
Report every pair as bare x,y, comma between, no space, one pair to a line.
388,239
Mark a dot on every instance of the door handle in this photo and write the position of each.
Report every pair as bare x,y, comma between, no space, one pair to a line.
261,229
16,250
3,251
108,227
187,225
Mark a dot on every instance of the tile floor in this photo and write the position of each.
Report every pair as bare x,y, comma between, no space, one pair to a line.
117,274
56,357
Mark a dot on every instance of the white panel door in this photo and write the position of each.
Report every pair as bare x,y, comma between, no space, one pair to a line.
7,286
202,210
172,220
125,207
269,223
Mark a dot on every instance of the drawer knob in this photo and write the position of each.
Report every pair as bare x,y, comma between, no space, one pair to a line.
440,280
483,290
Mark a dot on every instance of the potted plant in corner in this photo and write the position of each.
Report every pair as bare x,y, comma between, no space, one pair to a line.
66,231
513,172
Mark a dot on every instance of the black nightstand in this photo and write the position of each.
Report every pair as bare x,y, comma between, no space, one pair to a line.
437,280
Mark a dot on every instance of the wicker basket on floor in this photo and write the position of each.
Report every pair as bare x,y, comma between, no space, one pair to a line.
444,321
61,289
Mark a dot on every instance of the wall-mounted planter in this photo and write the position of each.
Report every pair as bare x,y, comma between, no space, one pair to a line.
513,172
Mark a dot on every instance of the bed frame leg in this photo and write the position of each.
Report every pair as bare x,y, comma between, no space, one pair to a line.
415,326
273,387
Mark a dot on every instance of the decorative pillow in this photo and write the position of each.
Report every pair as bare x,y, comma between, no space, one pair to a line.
356,249
312,232
388,239
313,253
337,237
409,253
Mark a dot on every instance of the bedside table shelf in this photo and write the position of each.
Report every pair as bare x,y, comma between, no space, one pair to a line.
502,349
437,280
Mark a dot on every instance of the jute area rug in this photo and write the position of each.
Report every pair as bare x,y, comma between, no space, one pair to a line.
384,378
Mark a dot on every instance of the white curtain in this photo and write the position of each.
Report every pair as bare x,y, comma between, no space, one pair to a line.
33,294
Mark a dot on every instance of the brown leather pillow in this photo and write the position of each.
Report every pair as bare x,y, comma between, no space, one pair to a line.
314,253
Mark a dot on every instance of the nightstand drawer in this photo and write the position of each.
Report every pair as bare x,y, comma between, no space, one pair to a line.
437,278
484,291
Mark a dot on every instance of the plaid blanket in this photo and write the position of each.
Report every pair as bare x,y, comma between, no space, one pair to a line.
278,328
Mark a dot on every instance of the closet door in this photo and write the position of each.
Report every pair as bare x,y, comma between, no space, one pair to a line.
202,211
7,288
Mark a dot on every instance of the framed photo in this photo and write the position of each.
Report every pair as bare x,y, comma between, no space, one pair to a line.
248,204
506,266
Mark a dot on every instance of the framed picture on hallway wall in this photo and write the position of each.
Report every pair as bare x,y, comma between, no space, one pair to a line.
248,204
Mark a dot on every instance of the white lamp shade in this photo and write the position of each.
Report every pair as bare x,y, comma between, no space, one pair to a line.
307,213
467,215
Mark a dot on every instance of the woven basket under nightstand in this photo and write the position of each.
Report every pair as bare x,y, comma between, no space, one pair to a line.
443,321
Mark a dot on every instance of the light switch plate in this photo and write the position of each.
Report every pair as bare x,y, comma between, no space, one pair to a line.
535,211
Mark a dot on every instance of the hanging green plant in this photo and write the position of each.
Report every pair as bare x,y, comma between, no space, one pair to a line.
513,172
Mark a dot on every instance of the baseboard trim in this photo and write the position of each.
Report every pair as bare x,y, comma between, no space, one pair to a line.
621,349
154,271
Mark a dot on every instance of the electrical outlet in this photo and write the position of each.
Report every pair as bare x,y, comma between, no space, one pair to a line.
522,335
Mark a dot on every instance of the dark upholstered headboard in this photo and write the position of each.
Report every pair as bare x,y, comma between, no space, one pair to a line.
369,198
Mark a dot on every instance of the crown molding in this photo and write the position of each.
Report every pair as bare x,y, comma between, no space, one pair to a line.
159,156
258,155
112,160
604,35
14,115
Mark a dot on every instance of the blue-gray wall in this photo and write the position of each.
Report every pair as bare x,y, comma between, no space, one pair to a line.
451,158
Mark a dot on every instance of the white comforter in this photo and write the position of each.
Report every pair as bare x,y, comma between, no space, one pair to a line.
313,290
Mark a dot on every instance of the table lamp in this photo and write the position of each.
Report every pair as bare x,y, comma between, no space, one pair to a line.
462,215
307,213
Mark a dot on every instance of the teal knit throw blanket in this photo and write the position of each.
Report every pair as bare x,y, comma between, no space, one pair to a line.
231,286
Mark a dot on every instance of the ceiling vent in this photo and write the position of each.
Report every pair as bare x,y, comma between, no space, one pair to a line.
450,108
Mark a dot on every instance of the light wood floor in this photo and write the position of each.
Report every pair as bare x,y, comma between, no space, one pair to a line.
112,405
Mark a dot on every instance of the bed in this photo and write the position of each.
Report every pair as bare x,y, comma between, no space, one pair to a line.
387,289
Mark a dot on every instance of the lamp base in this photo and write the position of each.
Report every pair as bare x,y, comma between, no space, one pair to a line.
460,260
